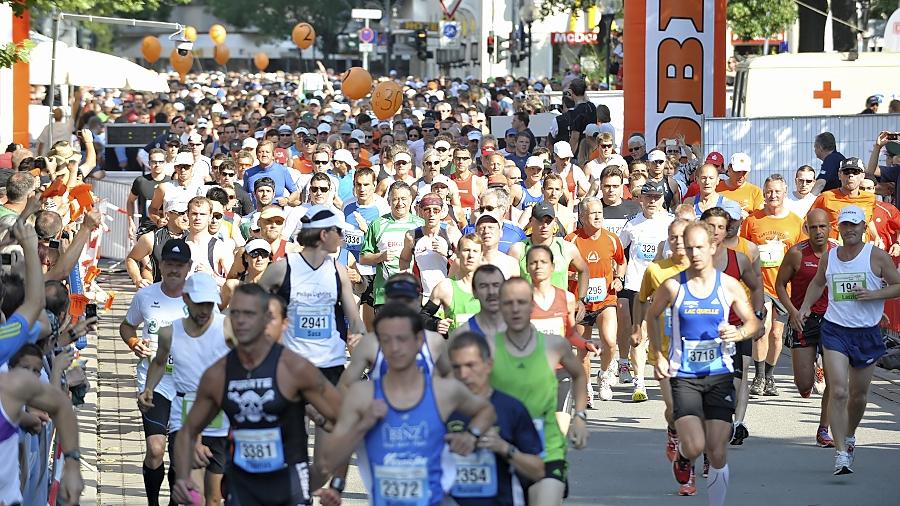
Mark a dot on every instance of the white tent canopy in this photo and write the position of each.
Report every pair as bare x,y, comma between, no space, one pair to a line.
82,67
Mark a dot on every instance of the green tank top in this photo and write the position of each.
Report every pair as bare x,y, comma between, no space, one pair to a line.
531,380
560,276
463,306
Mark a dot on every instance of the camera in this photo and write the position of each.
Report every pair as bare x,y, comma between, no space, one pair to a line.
184,46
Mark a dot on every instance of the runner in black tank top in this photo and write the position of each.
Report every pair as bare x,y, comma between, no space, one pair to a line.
269,457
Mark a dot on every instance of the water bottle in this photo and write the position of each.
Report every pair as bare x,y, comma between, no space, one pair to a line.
729,346
81,343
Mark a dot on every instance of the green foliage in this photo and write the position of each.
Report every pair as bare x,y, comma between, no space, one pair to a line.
760,18
15,53
276,18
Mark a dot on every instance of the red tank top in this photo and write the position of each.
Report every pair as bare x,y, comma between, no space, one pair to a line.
733,269
555,319
570,181
466,198
279,251
809,264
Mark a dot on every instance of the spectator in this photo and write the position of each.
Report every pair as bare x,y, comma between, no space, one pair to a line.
825,148
888,173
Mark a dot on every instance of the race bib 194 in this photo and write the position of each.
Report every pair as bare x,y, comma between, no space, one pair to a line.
843,285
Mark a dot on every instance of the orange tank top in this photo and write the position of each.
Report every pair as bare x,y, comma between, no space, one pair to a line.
555,319
466,197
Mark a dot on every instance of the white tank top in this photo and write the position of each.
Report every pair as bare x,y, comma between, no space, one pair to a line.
9,464
316,324
191,356
840,278
431,265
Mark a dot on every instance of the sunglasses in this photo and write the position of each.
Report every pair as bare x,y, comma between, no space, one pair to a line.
806,181
430,163
179,213
321,162
258,253
244,131
277,220
196,145
157,162
284,135
309,141
401,162
443,150
370,137
636,148
228,174
486,209
217,216
463,158
606,146
852,172
318,189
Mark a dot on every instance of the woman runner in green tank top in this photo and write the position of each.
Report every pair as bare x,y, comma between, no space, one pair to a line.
455,295
560,276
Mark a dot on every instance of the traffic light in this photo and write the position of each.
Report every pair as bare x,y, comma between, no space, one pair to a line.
491,46
503,48
422,44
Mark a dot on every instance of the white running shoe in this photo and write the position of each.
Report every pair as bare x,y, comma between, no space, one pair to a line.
606,392
611,375
842,463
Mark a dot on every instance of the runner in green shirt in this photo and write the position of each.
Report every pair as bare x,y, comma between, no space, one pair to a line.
384,237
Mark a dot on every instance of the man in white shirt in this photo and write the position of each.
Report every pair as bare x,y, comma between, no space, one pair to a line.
802,198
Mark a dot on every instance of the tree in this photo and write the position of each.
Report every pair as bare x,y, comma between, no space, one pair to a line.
750,19
276,18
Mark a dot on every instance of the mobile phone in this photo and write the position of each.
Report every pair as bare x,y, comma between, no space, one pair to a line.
5,258
671,142
891,137
90,310
54,244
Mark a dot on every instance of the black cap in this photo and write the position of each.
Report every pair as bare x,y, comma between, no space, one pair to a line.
655,187
854,164
173,139
176,250
402,286
542,210
874,99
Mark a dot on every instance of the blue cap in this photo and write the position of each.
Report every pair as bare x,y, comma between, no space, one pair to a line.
511,131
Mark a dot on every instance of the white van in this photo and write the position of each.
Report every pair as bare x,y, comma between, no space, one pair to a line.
813,84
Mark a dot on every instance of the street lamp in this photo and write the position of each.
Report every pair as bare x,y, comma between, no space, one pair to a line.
528,13
608,10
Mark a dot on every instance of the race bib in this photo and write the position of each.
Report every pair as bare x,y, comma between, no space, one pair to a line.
353,238
312,322
476,475
771,254
596,290
401,485
554,325
842,285
701,353
646,251
187,401
258,450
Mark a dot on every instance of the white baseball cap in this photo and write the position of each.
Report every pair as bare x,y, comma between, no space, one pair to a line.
257,244
201,287
852,214
184,158
474,135
342,155
592,130
534,161
358,135
301,130
175,204
656,156
441,144
249,143
324,128
402,156
740,162
563,149
320,216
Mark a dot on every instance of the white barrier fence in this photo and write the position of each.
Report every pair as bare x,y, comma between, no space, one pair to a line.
115,189
781,145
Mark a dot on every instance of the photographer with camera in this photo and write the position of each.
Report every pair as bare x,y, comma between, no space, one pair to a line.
890,171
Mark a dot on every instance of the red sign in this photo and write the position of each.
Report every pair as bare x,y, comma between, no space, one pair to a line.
575,38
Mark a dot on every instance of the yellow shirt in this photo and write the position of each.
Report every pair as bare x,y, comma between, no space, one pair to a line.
748,195
657,272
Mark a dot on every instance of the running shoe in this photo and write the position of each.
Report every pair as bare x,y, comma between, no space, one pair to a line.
605,392
850,443
671,445
689,488
819,385
739,433
640,391
705,466
590,396
683,469
842,463
612,375
823,439
770,390
624,373
756,388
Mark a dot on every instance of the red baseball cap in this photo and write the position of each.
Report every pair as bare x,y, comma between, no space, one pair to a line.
715,158
497,180
487,151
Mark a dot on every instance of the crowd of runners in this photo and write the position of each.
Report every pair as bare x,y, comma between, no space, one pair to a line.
429,296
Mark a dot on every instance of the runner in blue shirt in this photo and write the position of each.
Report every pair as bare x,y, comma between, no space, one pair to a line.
285,189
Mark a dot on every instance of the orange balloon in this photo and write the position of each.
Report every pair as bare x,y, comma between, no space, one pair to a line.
181,64
217,34
151,48
190,33
357,83
221,54
303,35
261,61
386,99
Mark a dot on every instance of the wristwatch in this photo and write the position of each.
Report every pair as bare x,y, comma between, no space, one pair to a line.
511,452
338,483
73,455
475,431
761,315
581,414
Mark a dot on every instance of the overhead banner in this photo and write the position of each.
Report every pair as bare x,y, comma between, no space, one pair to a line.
674,67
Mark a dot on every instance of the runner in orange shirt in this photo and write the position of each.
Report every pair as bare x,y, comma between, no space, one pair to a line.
773,229
605,257
852,174
736,187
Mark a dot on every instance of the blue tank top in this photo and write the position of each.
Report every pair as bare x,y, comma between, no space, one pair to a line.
528,199
695,350
405,453
474,327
